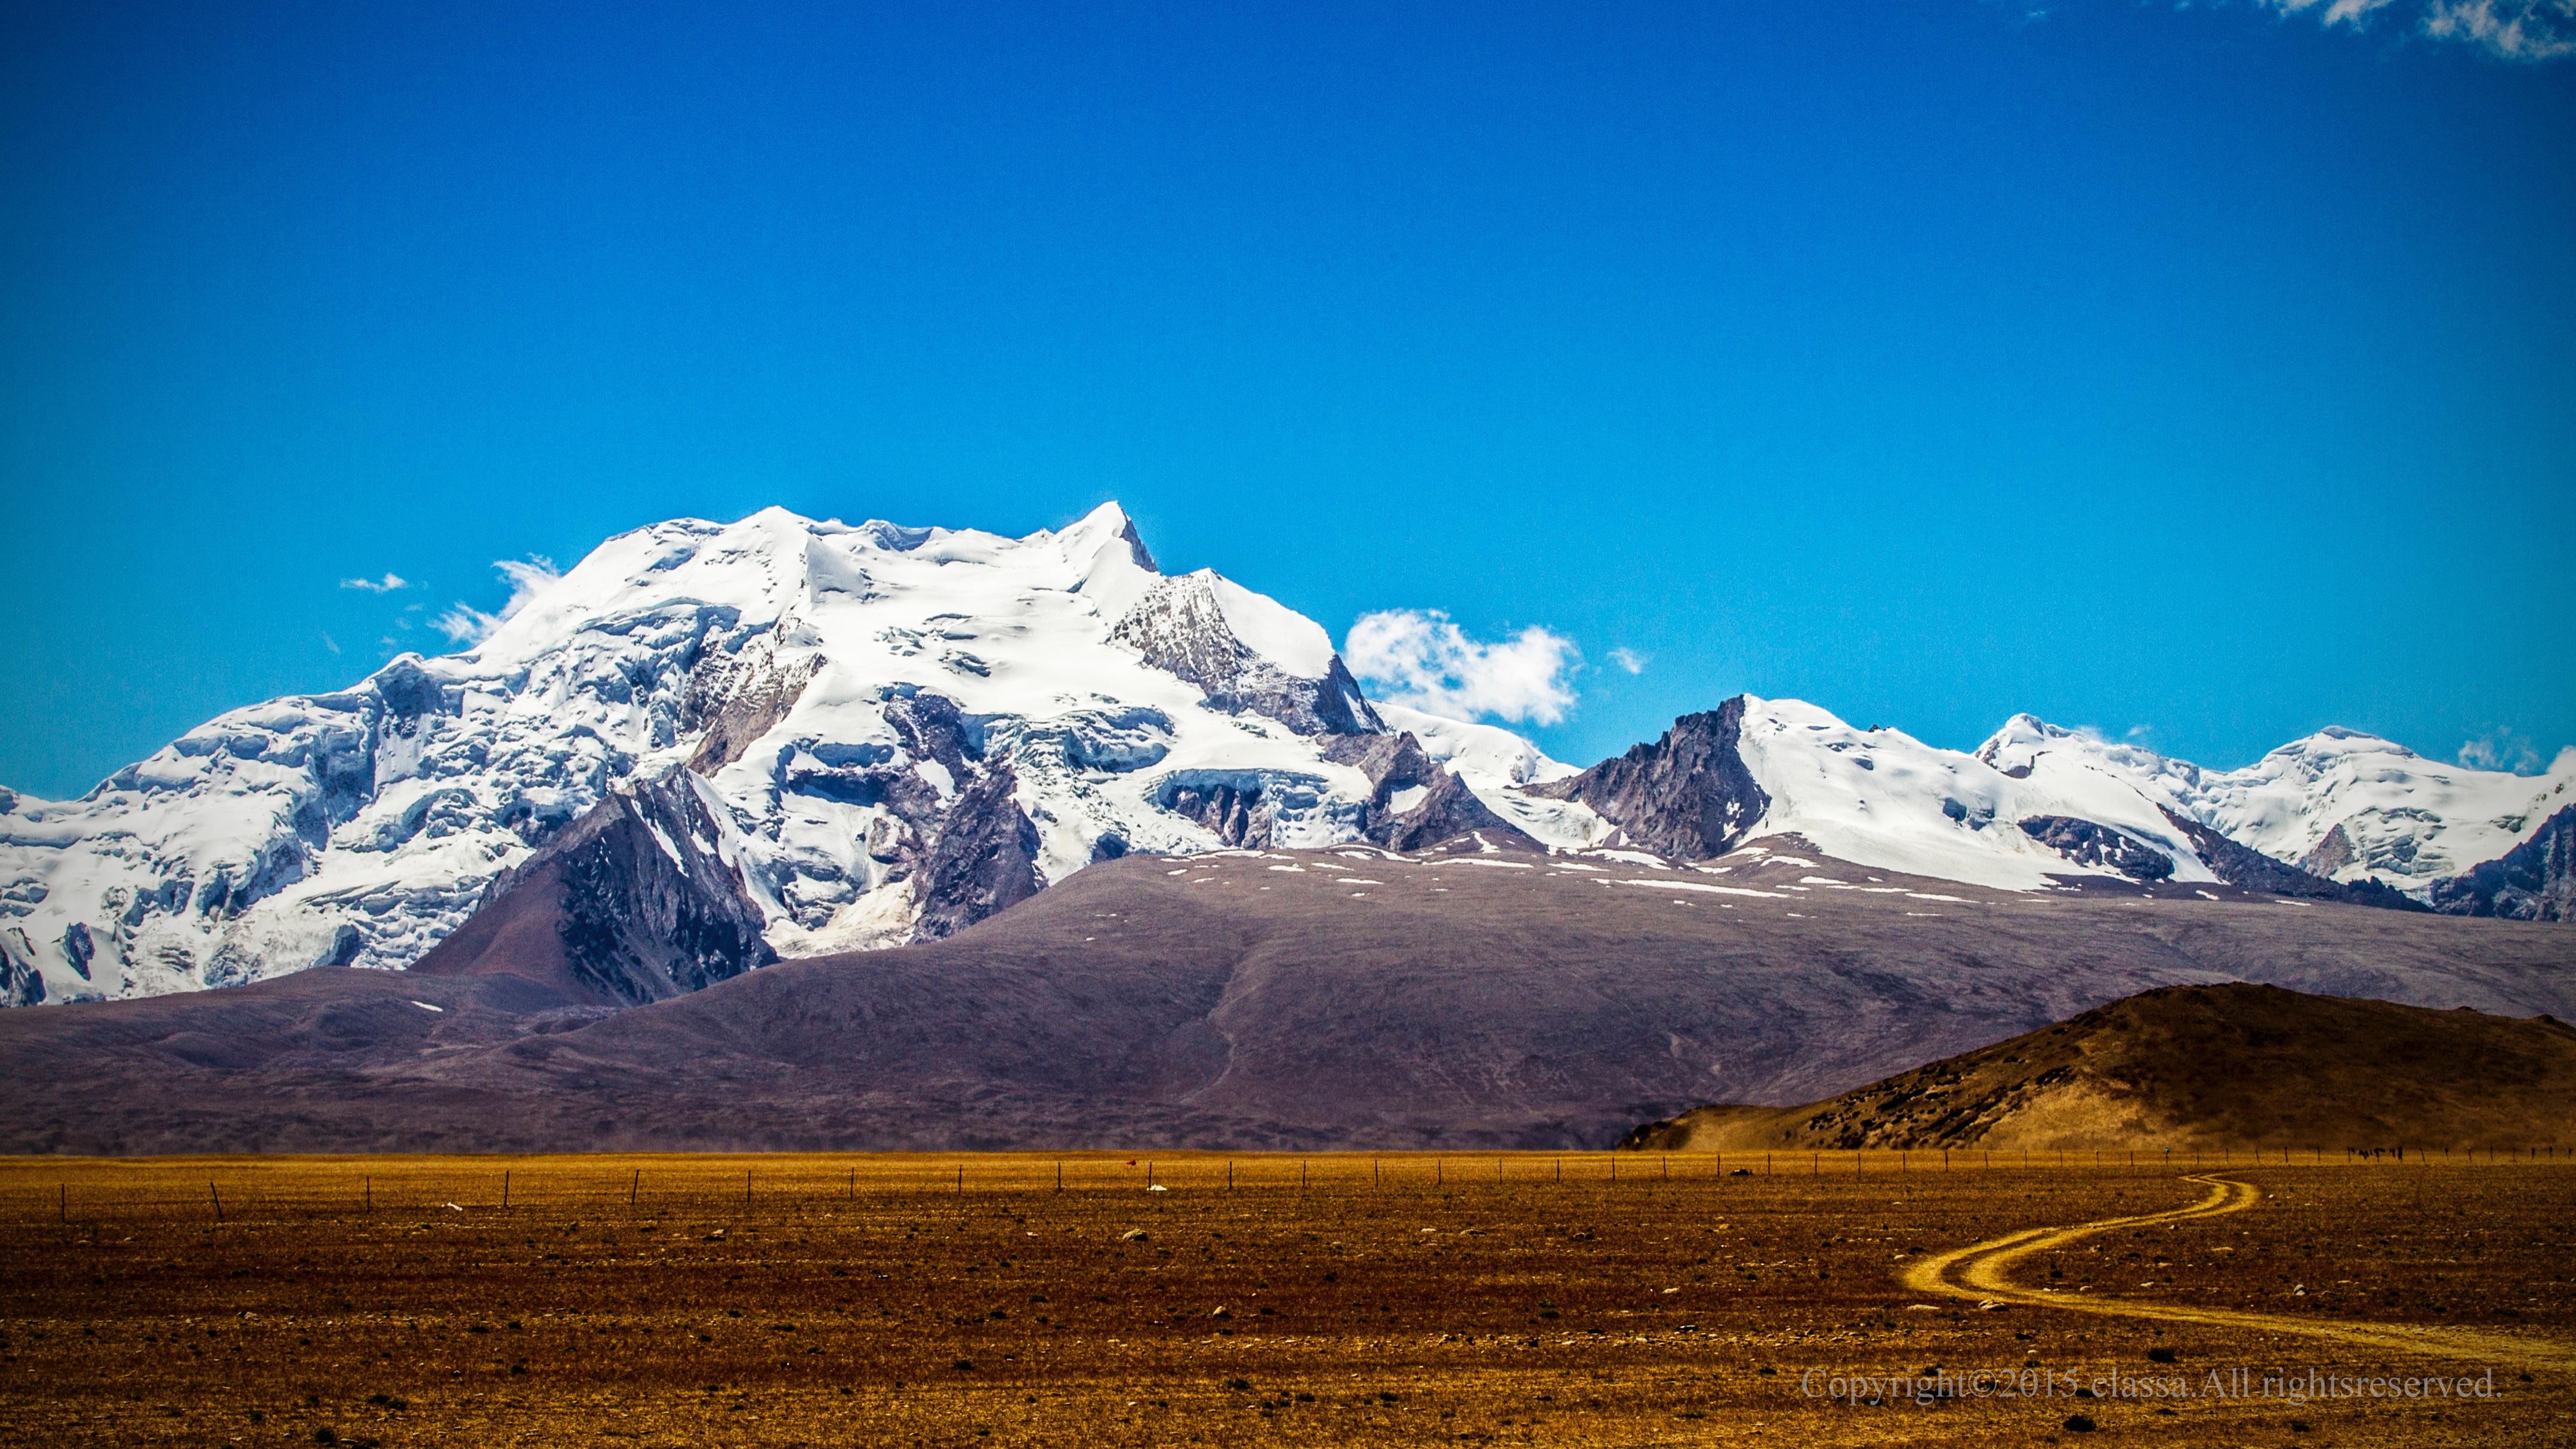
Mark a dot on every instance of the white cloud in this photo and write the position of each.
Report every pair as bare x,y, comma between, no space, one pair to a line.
330,643
1629,659
385,585
1417,658
2514,29
2510,29
2502,748
464,624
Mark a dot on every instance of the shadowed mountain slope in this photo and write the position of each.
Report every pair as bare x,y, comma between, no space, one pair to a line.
1348,997
2197,1066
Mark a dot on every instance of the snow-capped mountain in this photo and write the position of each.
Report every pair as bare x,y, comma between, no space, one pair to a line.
893,731
2339,803
719,744
2338,816
1874,797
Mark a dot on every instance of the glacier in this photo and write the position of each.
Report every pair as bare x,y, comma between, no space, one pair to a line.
888,732
840,691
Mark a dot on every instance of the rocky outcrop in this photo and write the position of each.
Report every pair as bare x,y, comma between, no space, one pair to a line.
1414,801
1687,796
738,698
640,898
2330,854
2250,869
2535,881
2086,843
1181,629
1237,814
985,858
22,983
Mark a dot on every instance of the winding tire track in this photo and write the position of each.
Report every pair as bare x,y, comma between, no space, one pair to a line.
1984,1270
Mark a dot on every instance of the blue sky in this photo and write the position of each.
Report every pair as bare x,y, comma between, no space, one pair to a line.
2205,372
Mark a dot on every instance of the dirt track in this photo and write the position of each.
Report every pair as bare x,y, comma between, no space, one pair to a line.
1319,1302
1985,1269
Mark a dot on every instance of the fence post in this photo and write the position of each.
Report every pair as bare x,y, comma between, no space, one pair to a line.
505,1190
367,1185
63,1201
219,1201
634,1187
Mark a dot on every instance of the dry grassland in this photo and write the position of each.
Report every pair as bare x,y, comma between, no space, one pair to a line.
1325,1300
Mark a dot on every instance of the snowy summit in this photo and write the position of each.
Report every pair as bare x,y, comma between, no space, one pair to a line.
850,736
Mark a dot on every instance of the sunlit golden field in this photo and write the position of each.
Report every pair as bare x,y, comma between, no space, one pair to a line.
1323,1300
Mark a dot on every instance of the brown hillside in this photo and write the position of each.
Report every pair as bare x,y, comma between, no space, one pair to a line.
2198,1066
1284,999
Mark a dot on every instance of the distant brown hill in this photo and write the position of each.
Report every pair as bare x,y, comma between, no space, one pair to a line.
2197,1066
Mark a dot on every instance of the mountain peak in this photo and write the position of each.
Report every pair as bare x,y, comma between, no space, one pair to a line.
1094,530
849,694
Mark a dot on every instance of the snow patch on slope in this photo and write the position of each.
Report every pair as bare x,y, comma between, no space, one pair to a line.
1881,798
859,677
2346,805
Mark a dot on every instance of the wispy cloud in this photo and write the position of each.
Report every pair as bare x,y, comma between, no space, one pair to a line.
2531,30
386,585
330,643
466,625
2502,748
2515,29
1629,659
1418,658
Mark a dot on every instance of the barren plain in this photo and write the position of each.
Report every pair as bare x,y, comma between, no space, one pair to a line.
1277,1299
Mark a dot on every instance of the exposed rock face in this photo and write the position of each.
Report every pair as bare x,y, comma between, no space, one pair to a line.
1181,628
984,859
2331,854
643,900
1687,796
738,698
78,948
2086,843
21,982
1415,802
2249,869
1234,813
2536,881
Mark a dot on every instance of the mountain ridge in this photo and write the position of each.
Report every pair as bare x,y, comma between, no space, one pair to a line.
900,730
1350,997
